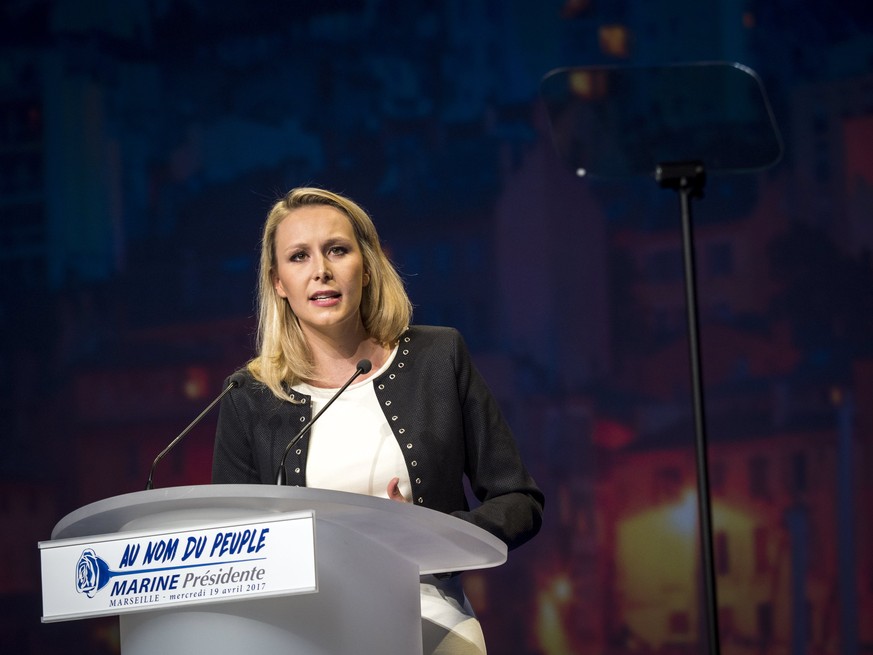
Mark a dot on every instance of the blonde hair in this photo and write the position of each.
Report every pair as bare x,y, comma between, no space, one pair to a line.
283,355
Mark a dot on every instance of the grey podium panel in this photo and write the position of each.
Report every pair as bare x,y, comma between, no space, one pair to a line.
370,553
367,603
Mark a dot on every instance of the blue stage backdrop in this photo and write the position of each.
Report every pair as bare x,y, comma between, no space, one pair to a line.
141,143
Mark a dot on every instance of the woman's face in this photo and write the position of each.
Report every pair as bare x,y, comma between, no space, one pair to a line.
320,269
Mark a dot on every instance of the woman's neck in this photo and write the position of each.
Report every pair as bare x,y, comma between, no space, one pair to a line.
334,361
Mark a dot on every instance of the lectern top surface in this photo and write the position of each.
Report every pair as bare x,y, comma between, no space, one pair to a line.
437,542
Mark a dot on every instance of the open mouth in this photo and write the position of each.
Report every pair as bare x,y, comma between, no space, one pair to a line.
324,295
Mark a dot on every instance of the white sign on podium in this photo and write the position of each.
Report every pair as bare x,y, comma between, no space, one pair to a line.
151,569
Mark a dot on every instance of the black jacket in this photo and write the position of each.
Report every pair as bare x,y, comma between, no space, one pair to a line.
444,418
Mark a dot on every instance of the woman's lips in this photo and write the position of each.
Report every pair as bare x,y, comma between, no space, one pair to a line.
325,297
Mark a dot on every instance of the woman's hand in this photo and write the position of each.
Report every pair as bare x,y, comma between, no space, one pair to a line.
394,491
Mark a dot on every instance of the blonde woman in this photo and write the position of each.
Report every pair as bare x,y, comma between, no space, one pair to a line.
410,428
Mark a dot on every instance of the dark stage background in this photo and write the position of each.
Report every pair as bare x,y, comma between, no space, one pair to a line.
141,143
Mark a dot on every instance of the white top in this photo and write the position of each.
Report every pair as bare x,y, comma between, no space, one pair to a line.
351,445
352,448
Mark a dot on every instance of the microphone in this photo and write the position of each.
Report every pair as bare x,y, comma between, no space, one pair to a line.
363,366
233,384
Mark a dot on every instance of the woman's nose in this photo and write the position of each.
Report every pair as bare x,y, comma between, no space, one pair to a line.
322,272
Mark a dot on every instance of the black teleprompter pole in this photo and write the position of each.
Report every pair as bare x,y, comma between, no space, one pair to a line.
688,179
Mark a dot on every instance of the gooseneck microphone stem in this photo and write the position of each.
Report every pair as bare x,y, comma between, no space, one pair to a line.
231,385
363,366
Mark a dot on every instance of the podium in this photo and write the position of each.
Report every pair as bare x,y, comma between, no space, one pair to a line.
368,556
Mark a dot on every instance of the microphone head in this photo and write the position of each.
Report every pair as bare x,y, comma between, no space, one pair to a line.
365,365
237,379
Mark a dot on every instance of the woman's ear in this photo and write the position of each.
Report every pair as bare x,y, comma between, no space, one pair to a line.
277,285
366,278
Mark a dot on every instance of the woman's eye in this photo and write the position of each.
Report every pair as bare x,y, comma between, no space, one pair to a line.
297,257
338,250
